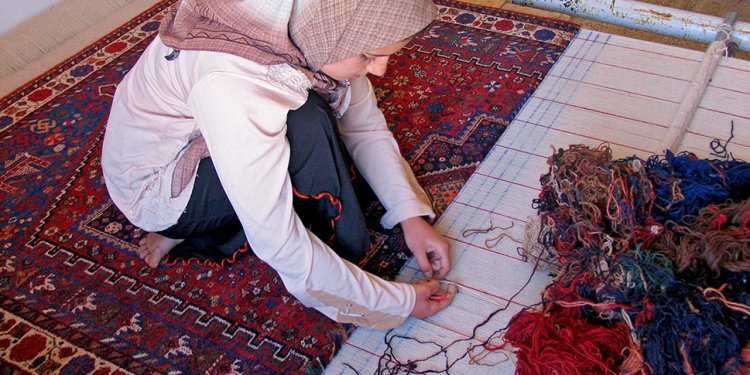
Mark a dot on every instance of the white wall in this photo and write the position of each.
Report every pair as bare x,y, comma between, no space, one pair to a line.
14,12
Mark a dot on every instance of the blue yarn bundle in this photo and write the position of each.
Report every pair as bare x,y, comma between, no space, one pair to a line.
684,184
687,335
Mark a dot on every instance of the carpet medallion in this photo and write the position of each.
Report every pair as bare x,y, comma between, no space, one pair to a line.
75,298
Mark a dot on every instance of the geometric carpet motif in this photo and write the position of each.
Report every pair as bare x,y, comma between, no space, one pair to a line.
76,299
449,95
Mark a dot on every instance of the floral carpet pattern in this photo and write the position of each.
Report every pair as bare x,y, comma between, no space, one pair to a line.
76,299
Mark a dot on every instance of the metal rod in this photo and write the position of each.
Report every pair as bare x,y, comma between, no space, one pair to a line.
648,17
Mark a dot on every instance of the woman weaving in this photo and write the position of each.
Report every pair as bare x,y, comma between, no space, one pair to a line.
237,108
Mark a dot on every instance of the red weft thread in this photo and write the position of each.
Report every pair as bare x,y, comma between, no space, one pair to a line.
652,199
565,247
719,219
648,233
544,191
723,177
561,341
646,315
556,290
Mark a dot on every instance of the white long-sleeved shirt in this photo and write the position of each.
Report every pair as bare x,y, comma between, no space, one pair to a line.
240,108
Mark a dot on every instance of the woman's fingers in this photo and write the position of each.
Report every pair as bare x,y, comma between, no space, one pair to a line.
430,299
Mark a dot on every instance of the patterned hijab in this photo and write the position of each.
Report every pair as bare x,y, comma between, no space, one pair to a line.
304,33
307,34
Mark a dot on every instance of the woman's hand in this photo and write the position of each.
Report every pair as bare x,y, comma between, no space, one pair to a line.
430,300
430,249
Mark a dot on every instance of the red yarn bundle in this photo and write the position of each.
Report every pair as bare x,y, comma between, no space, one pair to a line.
560,340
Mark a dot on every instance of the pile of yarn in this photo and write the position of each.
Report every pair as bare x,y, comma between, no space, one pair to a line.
651,266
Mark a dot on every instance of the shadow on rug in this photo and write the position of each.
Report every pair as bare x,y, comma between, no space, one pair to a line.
74,296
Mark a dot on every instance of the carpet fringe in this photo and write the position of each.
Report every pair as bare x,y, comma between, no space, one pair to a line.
41,34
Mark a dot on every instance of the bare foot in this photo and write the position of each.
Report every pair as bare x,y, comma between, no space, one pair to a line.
154,247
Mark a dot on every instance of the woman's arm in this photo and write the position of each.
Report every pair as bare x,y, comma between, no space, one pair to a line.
378,158
242,118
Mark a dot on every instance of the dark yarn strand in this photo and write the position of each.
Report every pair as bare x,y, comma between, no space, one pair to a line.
390,363
719,149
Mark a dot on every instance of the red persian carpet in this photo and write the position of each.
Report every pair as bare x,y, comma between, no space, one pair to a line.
76,299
